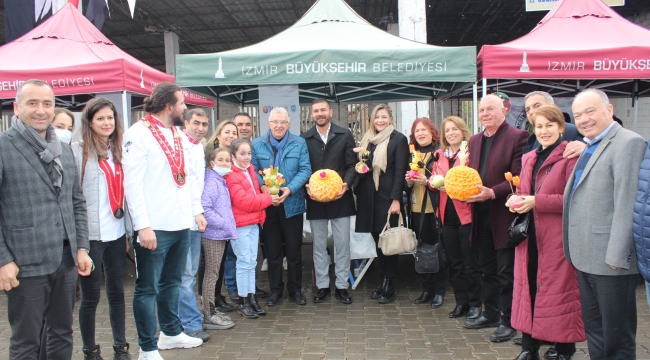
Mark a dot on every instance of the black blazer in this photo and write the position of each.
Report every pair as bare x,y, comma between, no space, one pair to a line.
373,204
337,155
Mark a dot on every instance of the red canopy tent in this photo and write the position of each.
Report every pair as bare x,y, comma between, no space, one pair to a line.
578,44
73,56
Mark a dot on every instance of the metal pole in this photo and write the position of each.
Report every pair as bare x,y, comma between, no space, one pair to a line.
126,112
484,85
635,104
442,110
475,107
214,125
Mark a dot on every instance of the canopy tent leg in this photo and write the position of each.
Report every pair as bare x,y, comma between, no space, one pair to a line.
475,107
484,88
442,110
635,105
212,120
126,112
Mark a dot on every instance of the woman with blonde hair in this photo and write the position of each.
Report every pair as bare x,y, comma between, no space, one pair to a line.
456,217
225,133
379,191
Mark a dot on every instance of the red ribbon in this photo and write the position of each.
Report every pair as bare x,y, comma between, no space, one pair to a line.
175,157
114,186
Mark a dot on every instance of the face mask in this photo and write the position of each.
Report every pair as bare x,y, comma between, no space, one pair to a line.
222,171
64,135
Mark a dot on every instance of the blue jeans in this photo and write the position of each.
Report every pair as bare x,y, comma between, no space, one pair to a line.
159,277
245,247
229,268
188,312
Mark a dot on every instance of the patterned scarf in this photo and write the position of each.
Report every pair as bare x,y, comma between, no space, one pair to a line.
48,150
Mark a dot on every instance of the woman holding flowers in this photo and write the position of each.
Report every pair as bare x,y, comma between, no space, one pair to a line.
456,217
424,204
379,191
546,299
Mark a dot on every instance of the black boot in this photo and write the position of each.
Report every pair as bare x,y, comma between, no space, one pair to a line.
93,353
388,295
527,355
252,299
245,308
121,352
377,293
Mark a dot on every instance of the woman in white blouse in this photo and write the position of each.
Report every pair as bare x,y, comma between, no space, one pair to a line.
99,159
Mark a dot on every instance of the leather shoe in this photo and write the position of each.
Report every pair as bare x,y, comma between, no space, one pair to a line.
233,295
518,341
260,293
343,296
437,301
423,299
474,312
377,293
528,355
503,333
480,323
322,294
551,353
274,299
298,298
221,304
459,311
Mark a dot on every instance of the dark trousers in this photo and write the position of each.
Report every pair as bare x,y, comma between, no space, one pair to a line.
464,273
609,313
498,268
528,343
156,288
435,283
387,263
111,256
43,303
277,230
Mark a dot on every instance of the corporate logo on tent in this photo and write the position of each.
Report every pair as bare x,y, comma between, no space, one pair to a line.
267,109
293,108
219,74
142,78
524,66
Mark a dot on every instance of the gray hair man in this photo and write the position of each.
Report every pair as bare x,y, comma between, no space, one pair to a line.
597,226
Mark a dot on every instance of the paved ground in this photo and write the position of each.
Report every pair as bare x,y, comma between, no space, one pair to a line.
331,330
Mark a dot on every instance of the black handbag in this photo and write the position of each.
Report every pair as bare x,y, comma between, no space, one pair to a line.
428,258
518,230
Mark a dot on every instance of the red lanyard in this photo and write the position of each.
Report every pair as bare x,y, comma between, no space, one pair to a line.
115,187
174,156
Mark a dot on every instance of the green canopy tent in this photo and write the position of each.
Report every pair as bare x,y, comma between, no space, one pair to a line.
332,52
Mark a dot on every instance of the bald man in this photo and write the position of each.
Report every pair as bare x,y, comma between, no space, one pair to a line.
492,153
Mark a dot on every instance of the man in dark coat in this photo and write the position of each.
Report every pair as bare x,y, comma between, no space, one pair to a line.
331,147
492,153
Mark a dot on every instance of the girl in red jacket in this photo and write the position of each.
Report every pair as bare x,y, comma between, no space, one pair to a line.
248,204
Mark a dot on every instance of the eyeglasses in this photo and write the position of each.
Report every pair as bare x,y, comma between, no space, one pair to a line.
279,122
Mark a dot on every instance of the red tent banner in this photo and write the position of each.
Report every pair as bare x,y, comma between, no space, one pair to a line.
74,57
577,39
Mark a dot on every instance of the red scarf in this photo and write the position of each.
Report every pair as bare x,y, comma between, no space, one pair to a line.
175,157
115,187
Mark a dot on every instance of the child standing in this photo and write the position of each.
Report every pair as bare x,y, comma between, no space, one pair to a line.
248,205
221,228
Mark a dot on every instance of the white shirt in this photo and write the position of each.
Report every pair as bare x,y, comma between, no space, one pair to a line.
196,169
153,197
324,138
109,227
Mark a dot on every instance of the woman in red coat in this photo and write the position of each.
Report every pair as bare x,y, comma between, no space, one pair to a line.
546,298
456,217
248,204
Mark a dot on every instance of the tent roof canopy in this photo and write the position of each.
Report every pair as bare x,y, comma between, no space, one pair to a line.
580,40
332,52
73,56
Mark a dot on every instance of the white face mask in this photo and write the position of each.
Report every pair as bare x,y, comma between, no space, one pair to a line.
222,171
64,135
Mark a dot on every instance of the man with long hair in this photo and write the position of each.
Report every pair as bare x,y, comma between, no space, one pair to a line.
164,202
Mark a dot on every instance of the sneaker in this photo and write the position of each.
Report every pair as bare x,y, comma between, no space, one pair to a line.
217,320
200,334
181,340
150,355
265,265
284,263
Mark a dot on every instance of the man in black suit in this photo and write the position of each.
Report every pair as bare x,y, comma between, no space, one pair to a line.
331,147
44,238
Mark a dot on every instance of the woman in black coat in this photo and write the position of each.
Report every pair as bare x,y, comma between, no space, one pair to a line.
379,191
425,216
